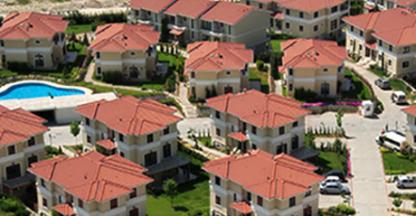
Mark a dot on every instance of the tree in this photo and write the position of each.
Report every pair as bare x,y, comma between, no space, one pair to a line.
85,40
75,130
170,187
339,115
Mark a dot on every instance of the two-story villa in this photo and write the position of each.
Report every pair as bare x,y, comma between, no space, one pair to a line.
90,184
411,124
149,12
314,65
311,18
258,183
254,120
385,39
33,39
217,66
231,22
21,144
184,19
142,130
125,48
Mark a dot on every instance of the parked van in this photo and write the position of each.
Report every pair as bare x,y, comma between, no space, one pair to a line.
398,97
392,140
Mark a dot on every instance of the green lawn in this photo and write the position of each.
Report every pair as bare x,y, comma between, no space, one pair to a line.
275,44
77,29
101,89
378,71
395,163
361,91
330,160
399,85
171,59
256,75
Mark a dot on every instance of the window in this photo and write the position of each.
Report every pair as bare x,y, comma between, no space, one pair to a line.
87,121
217,200
133,193
217,180
31,141
37,41
45,202
228,73
352,28
150,159
132,53
192,74
287,11
292,201
234,197
406,49
390,48
150,138
334,24
287,25
13,171
316,14
325,69
248,196
389,62
11,150
88,139
301,28
308,193
166,151
361,33
380,43
113,203
32,159
282,130
295,124
295,142
405,64
254,146
134,212
301,14
217,115
340,69
260,5
315,28
1,43
360,47
122,154
42,183
80,203
253,129
218,132
290,71
259,200
334,9
290,87
121,137
166,131
97,55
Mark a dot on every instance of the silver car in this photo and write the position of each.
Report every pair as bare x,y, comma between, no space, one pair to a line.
333,188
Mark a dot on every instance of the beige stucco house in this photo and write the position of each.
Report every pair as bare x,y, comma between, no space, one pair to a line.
90,184
254,120
385,39
219,67
311,64
141,130
33,39
21,144
128,49
258,183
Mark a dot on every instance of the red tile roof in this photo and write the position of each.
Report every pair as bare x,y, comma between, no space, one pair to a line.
64,209
259,109
217,56
107,144
411,110
239,136
92,176
405,3
19,125
276,177
120,37
395,26
190,8
242,207
312,53
308,5
129,115
227,12
155,6
27,25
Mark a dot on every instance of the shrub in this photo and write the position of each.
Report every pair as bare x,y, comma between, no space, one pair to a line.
17,66
170,83
13,205
114,77
341,209
260,65
397,202
305,95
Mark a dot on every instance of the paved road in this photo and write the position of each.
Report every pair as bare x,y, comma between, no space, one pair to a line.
368,184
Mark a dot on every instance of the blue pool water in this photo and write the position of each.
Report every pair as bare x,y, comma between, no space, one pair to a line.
37,90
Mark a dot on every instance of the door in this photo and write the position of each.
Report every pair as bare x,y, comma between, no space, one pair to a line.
307,211
39,61
13,171
228,89
150,159
325,88
134,212
134,72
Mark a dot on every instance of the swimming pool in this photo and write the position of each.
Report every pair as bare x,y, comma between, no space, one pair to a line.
37,89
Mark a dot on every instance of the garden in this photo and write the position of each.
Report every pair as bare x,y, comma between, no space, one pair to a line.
396,163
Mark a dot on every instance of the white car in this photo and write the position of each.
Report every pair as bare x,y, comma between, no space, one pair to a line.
406,182
398,97
331,179
392,140
334,188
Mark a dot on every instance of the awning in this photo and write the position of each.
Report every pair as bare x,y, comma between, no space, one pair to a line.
107,144
176,32
167,164
304,153
242,207
27,179
239,136
64,209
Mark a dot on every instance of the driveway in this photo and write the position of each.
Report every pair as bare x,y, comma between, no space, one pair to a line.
368,185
